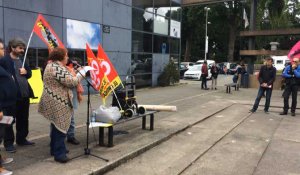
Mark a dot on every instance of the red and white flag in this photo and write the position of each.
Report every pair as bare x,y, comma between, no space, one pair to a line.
46,33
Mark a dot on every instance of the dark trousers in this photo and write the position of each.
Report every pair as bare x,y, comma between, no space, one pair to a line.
204,82
57,144
22,122
288,90
9,137
260,93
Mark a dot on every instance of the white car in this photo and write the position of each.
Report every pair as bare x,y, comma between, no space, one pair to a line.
194,72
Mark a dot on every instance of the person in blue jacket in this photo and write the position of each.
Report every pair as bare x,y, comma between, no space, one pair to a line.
13,64
8,98
292,79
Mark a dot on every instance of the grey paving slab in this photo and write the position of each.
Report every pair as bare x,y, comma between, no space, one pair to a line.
125,146
172,156
281,158
240,151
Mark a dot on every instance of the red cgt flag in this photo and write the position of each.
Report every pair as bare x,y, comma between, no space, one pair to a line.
46,33
96,74
108,69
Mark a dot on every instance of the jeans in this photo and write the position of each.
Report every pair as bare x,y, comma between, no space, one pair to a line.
288,90
57,144
260,93
203,84
71,130
213,82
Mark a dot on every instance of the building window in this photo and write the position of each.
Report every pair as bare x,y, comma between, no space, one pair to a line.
161,25
144,4
141,42
142,20
174,46
141,63
161,44
141,68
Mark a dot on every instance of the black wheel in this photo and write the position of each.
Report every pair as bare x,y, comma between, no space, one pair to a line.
141,110
128,113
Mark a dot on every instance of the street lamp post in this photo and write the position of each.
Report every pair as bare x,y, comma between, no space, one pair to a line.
206,37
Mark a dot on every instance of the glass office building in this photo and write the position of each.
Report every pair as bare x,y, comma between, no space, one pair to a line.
139,36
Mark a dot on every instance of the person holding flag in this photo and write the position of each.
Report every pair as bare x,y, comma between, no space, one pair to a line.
13,63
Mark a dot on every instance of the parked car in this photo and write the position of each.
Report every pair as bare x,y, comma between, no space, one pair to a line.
194,72
232,68
280,62
183,69
187,64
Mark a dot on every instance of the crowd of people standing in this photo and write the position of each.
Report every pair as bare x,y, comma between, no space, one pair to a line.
61,95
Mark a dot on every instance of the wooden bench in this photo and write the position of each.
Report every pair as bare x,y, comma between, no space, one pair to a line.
110,128
229,85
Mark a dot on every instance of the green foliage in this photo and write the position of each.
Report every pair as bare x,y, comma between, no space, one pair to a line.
170,75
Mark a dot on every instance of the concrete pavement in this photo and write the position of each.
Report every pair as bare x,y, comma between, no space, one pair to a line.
212,133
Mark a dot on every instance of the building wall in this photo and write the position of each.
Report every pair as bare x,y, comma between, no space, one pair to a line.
125,44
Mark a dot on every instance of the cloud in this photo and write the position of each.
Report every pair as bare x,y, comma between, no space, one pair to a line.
79,33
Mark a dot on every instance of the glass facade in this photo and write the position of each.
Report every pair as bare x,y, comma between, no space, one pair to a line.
138,35
153,37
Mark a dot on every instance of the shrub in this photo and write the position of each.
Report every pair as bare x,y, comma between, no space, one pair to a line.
170,75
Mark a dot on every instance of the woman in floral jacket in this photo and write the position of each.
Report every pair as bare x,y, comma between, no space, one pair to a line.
56,101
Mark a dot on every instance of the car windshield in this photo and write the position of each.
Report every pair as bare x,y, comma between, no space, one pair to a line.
195,67
233,66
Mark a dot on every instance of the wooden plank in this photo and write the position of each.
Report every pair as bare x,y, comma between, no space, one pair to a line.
270,32
263,52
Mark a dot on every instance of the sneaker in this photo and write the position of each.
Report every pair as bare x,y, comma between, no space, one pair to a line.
6,160
10,149
267,112
26,143
73,141
252,111
62,160
293,114
3,171
283,113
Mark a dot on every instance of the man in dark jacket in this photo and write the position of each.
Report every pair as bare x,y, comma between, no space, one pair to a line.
12,63
291,74
204,74
8,97
266,79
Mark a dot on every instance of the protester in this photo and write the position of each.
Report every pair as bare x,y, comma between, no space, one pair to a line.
292,78
8,98
56,104
12,63
214,76
204,74
266,79
77,98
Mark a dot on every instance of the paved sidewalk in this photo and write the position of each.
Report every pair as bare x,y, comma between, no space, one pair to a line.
195,106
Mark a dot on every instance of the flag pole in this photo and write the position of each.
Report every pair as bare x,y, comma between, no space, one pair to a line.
27,48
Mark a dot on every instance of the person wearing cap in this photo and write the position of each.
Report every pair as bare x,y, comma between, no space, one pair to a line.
13,64
266,78
291,74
